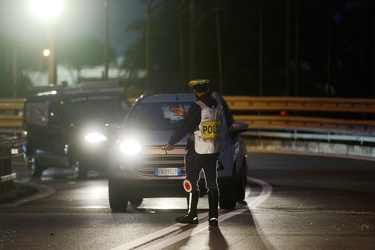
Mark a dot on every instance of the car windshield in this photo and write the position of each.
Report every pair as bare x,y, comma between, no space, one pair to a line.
156,116
100,108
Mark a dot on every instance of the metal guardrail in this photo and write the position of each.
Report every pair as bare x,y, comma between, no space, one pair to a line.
321,129
284,118
299,113
12,104
11,119
300,122
317,113
312,135
247,103
9,147
315,131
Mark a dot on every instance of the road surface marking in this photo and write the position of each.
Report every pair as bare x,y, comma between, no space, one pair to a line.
266,192
43,191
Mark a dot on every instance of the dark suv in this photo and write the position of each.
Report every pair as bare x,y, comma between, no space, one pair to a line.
66,128
140,168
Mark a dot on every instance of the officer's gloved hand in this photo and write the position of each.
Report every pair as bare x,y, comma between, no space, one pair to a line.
178,111
167,147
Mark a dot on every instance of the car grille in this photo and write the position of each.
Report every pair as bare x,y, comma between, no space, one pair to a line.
150,163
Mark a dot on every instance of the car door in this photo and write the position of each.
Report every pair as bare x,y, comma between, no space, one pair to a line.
45,131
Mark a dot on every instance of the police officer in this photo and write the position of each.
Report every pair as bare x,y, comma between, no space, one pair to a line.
202,123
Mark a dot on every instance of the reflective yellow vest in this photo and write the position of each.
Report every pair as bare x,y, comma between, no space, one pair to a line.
207,138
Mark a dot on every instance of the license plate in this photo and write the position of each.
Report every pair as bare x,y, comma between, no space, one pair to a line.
168,172
14,151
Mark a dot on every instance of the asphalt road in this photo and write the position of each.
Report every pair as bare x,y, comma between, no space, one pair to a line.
293,202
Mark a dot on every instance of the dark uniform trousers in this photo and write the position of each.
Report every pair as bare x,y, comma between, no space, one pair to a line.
195,162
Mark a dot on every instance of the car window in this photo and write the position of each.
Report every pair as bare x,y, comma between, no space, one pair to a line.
55,115
36,113
103,108
156,116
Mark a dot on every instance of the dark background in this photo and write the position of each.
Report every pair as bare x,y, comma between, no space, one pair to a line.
321,48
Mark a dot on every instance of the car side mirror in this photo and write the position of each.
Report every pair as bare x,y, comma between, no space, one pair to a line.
55,124
112,128
240,127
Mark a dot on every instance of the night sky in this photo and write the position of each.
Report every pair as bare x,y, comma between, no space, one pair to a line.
86,17
323,48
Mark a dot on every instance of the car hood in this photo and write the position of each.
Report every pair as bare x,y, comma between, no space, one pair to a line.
81,130
153,138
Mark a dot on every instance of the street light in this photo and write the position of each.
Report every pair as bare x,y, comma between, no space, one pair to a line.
48,11
46,52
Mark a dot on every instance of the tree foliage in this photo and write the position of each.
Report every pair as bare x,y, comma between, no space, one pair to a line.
79,52
14,58
268,47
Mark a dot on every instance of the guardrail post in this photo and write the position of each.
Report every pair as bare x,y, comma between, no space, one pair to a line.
9,148
6,181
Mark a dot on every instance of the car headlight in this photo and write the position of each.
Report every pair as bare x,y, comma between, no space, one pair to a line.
130,147
95,138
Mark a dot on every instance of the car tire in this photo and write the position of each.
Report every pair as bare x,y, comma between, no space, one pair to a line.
242,182
80,169
228,192
118,200
135,201
75,168
33,166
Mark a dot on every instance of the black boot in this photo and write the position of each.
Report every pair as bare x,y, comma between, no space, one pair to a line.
213,202
191,217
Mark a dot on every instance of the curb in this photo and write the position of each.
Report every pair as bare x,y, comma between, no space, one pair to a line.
42,191
314,148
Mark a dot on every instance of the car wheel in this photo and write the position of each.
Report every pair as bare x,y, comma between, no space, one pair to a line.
228,192
78,170
118,200
135,201
33,166
75,167
242,182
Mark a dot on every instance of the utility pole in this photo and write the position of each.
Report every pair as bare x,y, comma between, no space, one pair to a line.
52,66
14,71
261,48
287,48
148,23
373,56
219,56
192,40
182,58
296,77
329,56
106,45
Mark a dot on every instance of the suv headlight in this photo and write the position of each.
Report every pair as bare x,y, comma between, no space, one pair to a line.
130,147
95,138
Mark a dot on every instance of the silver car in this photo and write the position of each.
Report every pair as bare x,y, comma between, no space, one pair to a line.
139,167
